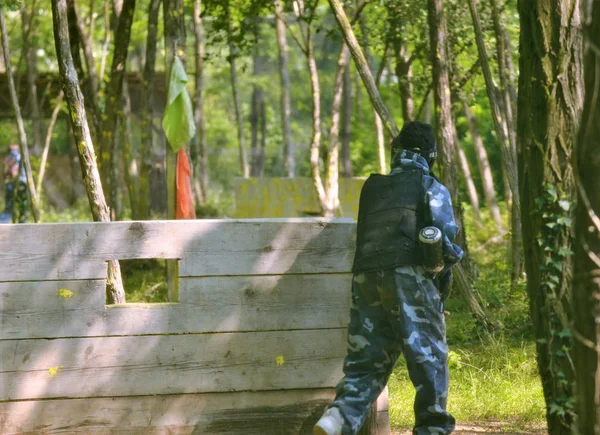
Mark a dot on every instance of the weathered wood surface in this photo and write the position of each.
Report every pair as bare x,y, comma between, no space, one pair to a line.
170,364
36,309
259,413
205,247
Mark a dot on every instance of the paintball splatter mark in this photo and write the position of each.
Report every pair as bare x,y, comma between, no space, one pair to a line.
280,360
54,370
65,293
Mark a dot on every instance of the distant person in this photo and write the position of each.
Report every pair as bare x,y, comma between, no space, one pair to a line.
15,188
402,272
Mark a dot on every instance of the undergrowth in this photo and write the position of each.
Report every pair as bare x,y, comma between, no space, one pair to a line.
493,377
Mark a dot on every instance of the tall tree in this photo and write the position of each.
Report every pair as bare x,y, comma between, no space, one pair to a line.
87,158
289,163
200,149
113,97
586,286
146,144
346,132
257,117
237,105
30,35
25,161
549,107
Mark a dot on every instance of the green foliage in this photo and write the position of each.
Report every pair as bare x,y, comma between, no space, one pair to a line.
13,5
145,280
490,381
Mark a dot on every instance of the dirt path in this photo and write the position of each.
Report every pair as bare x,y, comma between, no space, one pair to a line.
490,428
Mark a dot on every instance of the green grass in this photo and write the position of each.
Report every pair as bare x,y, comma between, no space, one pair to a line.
145,280
493,377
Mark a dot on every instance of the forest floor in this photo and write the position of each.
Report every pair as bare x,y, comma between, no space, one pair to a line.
489,428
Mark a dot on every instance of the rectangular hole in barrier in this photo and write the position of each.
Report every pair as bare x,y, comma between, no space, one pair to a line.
148,280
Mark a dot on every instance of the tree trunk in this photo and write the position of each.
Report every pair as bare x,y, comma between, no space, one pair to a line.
244,167
48,141
549,105
508,119
444,122
487,179
106,38
200,156
20,125
91,109
507,152
88,52
114,90
174,25
363,67
148,110
466,171
404,75
256,118
586,286
79,125
446,145
332,202
289,163
29,51
132,176
347,124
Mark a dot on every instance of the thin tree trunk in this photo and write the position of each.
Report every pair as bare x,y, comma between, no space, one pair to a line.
256,121
48,141
347,123
550,102
263,136
332,179
404,75
29,51
444,122
487,179
174,30
447,146
132,175
508,156
87,159
244,167
88,52
381,145
586,286
289,163
106,38
114,91
20,125
466,171
200,155
363,67
148,110
508,120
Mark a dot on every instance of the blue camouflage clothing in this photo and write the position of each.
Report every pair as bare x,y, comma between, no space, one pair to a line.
396,311
439,204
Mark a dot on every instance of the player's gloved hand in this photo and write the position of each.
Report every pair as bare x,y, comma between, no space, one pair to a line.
443,282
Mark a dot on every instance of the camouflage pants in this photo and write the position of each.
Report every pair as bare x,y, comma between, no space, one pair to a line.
395,311
16,202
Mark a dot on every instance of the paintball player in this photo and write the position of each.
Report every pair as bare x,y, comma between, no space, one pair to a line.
15,188
400,282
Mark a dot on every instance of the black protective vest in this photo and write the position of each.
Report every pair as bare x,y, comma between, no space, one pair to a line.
389,219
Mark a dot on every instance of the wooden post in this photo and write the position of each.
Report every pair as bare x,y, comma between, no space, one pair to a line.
175,44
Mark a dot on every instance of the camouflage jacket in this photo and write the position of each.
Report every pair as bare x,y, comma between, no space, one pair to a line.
438,203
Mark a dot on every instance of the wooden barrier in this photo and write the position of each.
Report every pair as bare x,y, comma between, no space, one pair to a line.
273,197
254,344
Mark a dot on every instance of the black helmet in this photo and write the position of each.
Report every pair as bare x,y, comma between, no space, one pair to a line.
418,137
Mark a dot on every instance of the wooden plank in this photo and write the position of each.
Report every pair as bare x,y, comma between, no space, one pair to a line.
206,247
259,413
126,366
45,297
210,304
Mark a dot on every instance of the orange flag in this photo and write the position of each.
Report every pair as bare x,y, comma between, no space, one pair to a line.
185,198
